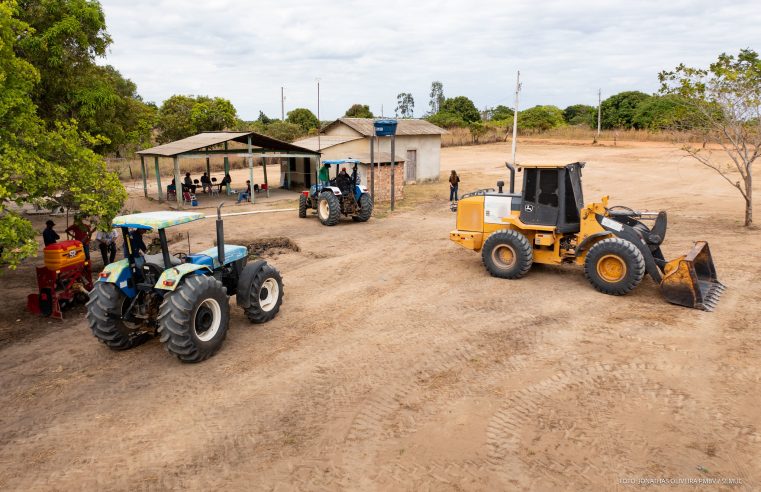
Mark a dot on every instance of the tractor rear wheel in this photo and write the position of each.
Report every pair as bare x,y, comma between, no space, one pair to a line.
302,206
328,208
193,319
614,266
507,254
106,305
365,208
266,295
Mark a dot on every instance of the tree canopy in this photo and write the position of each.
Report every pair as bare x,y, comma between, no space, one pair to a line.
437,97
723,106
581,114
618,111
405,105
540,118
183,116
462,107
41,164
502,113
62,42
359,111
303,118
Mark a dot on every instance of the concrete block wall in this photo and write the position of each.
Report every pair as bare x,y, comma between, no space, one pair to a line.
383,182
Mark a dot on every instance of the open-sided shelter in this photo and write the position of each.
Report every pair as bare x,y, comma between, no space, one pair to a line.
200,146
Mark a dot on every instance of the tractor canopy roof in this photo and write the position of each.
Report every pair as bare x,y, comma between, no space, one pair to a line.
156,220
338,162
548,165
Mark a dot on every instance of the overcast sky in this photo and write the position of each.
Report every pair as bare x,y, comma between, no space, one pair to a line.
368,52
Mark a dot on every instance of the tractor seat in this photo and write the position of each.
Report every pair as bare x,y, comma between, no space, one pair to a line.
210,258
157,261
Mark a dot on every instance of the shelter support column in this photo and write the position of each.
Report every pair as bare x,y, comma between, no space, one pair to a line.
372,167
208,164
264,167
158,179
251,171
177,182
145,179
227,170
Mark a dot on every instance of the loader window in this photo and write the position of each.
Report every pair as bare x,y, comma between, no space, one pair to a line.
548,187
529,194
571,210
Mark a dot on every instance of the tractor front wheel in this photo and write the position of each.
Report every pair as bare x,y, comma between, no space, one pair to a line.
507,254
302,206
193,319
365,208
328,208
106,306
614,266
266,295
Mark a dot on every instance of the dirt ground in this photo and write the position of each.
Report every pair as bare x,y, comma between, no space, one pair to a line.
398,363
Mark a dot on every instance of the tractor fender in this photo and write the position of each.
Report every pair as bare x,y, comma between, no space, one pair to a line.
119,273
336,191
246,279
627,232
171,277
588,241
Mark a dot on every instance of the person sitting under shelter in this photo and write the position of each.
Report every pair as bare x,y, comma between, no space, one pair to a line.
245,195
205,183
225,181
188,183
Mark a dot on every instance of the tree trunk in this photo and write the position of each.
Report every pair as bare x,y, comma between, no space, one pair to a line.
749,199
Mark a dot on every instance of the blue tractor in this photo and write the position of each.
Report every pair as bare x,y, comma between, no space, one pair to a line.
183,298
340,195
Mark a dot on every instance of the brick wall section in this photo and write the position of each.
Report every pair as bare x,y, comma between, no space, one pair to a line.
383,183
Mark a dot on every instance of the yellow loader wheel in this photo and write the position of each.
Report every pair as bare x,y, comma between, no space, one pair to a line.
614,266
507,254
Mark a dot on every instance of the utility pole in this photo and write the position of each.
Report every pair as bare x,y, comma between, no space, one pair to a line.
515,113
319,124
282,104
599,112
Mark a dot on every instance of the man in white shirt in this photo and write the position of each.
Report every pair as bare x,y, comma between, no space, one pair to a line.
107,244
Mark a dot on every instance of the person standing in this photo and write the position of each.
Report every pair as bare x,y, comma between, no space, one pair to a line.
49,236
82,232
324,175
454,183
107,245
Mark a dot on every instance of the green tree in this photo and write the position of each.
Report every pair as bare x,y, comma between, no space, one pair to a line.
447,120
462,107
64,40
437,97
540,118
283,130
359,111
581,114
175,119
618,111
210,115
304,118
40,165
263,118
724,108
502,113
405,105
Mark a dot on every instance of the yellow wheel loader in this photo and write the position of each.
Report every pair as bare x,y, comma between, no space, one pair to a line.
549,223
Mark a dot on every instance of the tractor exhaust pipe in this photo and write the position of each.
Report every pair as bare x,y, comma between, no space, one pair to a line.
220,235
512,176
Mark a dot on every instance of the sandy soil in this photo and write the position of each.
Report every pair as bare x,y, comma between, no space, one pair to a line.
397,363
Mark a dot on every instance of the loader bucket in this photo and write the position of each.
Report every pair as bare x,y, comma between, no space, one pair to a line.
690,280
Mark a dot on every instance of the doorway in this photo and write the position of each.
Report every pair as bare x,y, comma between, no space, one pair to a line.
411,166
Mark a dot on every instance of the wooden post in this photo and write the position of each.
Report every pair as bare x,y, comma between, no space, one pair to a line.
158,179
393,165
372,167
227,171
264,166
208,165
177,182
251,171
145,179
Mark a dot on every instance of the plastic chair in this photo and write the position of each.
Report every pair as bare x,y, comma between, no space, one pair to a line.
187,197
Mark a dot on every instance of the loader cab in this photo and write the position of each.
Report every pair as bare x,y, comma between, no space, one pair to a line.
552,196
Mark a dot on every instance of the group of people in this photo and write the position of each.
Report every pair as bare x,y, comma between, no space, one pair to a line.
106,240
191,185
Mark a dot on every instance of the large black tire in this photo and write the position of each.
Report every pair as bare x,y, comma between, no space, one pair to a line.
365,208
328,208
193,319
266,295
302,206
507,254
614,266
103,311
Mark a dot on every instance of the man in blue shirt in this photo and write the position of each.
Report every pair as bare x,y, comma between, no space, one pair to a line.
49,236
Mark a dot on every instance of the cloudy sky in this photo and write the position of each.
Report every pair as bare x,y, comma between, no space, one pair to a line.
368,52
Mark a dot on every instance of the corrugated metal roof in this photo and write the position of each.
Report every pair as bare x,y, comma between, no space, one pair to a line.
208,139
325,141
403,127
